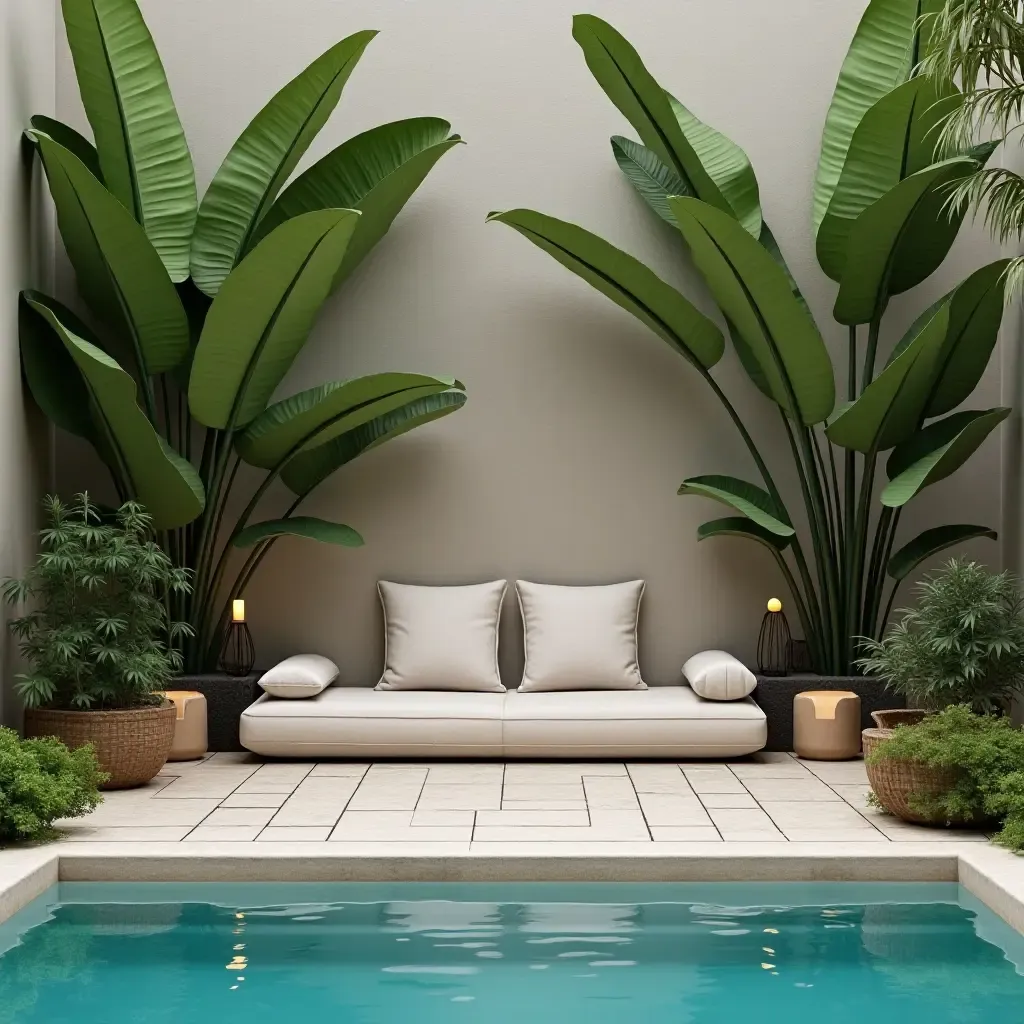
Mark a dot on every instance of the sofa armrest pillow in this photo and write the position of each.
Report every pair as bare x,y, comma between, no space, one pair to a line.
441,638
717,675
302,675
580,638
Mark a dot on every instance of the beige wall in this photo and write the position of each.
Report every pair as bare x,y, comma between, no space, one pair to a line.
580,425
26,87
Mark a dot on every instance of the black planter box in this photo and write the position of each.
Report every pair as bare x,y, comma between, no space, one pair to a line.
226,698
775,696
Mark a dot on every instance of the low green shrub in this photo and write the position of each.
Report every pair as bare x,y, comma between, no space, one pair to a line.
962,644
40,781
985,754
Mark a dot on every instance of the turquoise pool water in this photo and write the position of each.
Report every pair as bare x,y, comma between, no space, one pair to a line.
509,954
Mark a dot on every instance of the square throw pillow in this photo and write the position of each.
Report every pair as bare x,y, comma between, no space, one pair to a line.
580,638
302,675
441,638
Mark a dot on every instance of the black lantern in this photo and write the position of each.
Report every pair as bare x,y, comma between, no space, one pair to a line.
237,653
773,642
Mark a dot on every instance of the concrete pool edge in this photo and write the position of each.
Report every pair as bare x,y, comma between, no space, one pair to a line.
994,876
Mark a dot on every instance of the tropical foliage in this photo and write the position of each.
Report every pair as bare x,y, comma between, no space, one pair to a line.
196,310
97,633
40,781
980,45
880,229
982,754
962,643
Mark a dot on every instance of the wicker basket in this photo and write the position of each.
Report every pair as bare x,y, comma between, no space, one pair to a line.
898,716
893,782
131,746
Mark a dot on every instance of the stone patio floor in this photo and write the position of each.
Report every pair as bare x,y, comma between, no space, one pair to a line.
767,798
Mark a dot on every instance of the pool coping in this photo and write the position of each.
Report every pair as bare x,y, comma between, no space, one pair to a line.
994,876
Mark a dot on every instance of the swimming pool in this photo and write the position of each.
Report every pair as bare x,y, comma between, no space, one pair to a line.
404,953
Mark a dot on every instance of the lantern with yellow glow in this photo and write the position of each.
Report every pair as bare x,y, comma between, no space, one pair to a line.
237,654
773,642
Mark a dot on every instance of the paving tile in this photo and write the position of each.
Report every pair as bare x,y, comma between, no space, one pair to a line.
808,789
671,834
215,783
559,818
704,781
743,799
339,770
394,826
730,820
396,790
816,815
658,778
316,801
275,779
538,791
543,805
610,792
855,794
240,816
452,797
670,809
420,817
223,834
294,834
129,834
255,800
519,772
150,812
837,771
788,769
464,774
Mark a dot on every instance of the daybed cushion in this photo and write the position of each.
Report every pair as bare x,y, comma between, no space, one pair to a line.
717,675
580,638
661,721
441,638
302,675
359,722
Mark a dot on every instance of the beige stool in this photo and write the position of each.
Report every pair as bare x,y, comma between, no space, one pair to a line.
826,725
190,728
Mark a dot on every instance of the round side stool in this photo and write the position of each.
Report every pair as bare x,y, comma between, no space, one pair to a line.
190,727
826,725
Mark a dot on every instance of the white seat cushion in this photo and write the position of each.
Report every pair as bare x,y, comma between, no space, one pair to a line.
717,675
661,721
358,722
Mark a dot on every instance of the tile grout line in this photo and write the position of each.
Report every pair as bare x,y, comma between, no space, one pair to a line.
858,810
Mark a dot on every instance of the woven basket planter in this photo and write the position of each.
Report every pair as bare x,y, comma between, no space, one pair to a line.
131,746
894,782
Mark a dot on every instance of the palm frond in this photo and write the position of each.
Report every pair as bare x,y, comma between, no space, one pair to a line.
1000,193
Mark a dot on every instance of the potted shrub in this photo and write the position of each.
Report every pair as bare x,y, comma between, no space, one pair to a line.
98,637
40,781
963,644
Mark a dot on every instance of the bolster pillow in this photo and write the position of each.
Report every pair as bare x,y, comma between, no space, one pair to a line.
717,675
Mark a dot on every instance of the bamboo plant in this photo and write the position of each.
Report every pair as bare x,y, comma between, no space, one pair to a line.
881,227
196,310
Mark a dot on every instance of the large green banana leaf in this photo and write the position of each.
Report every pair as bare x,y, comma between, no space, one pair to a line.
626,281
305,471
892,406
895,138
155,475
740,526
937,451
142,149
50,372
879,59
881,232
66,136
727,165
376,173
753,501
931,542
263,314
755,294
263,158
298,526
313,417
653,179
114,260
932,228
620,72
